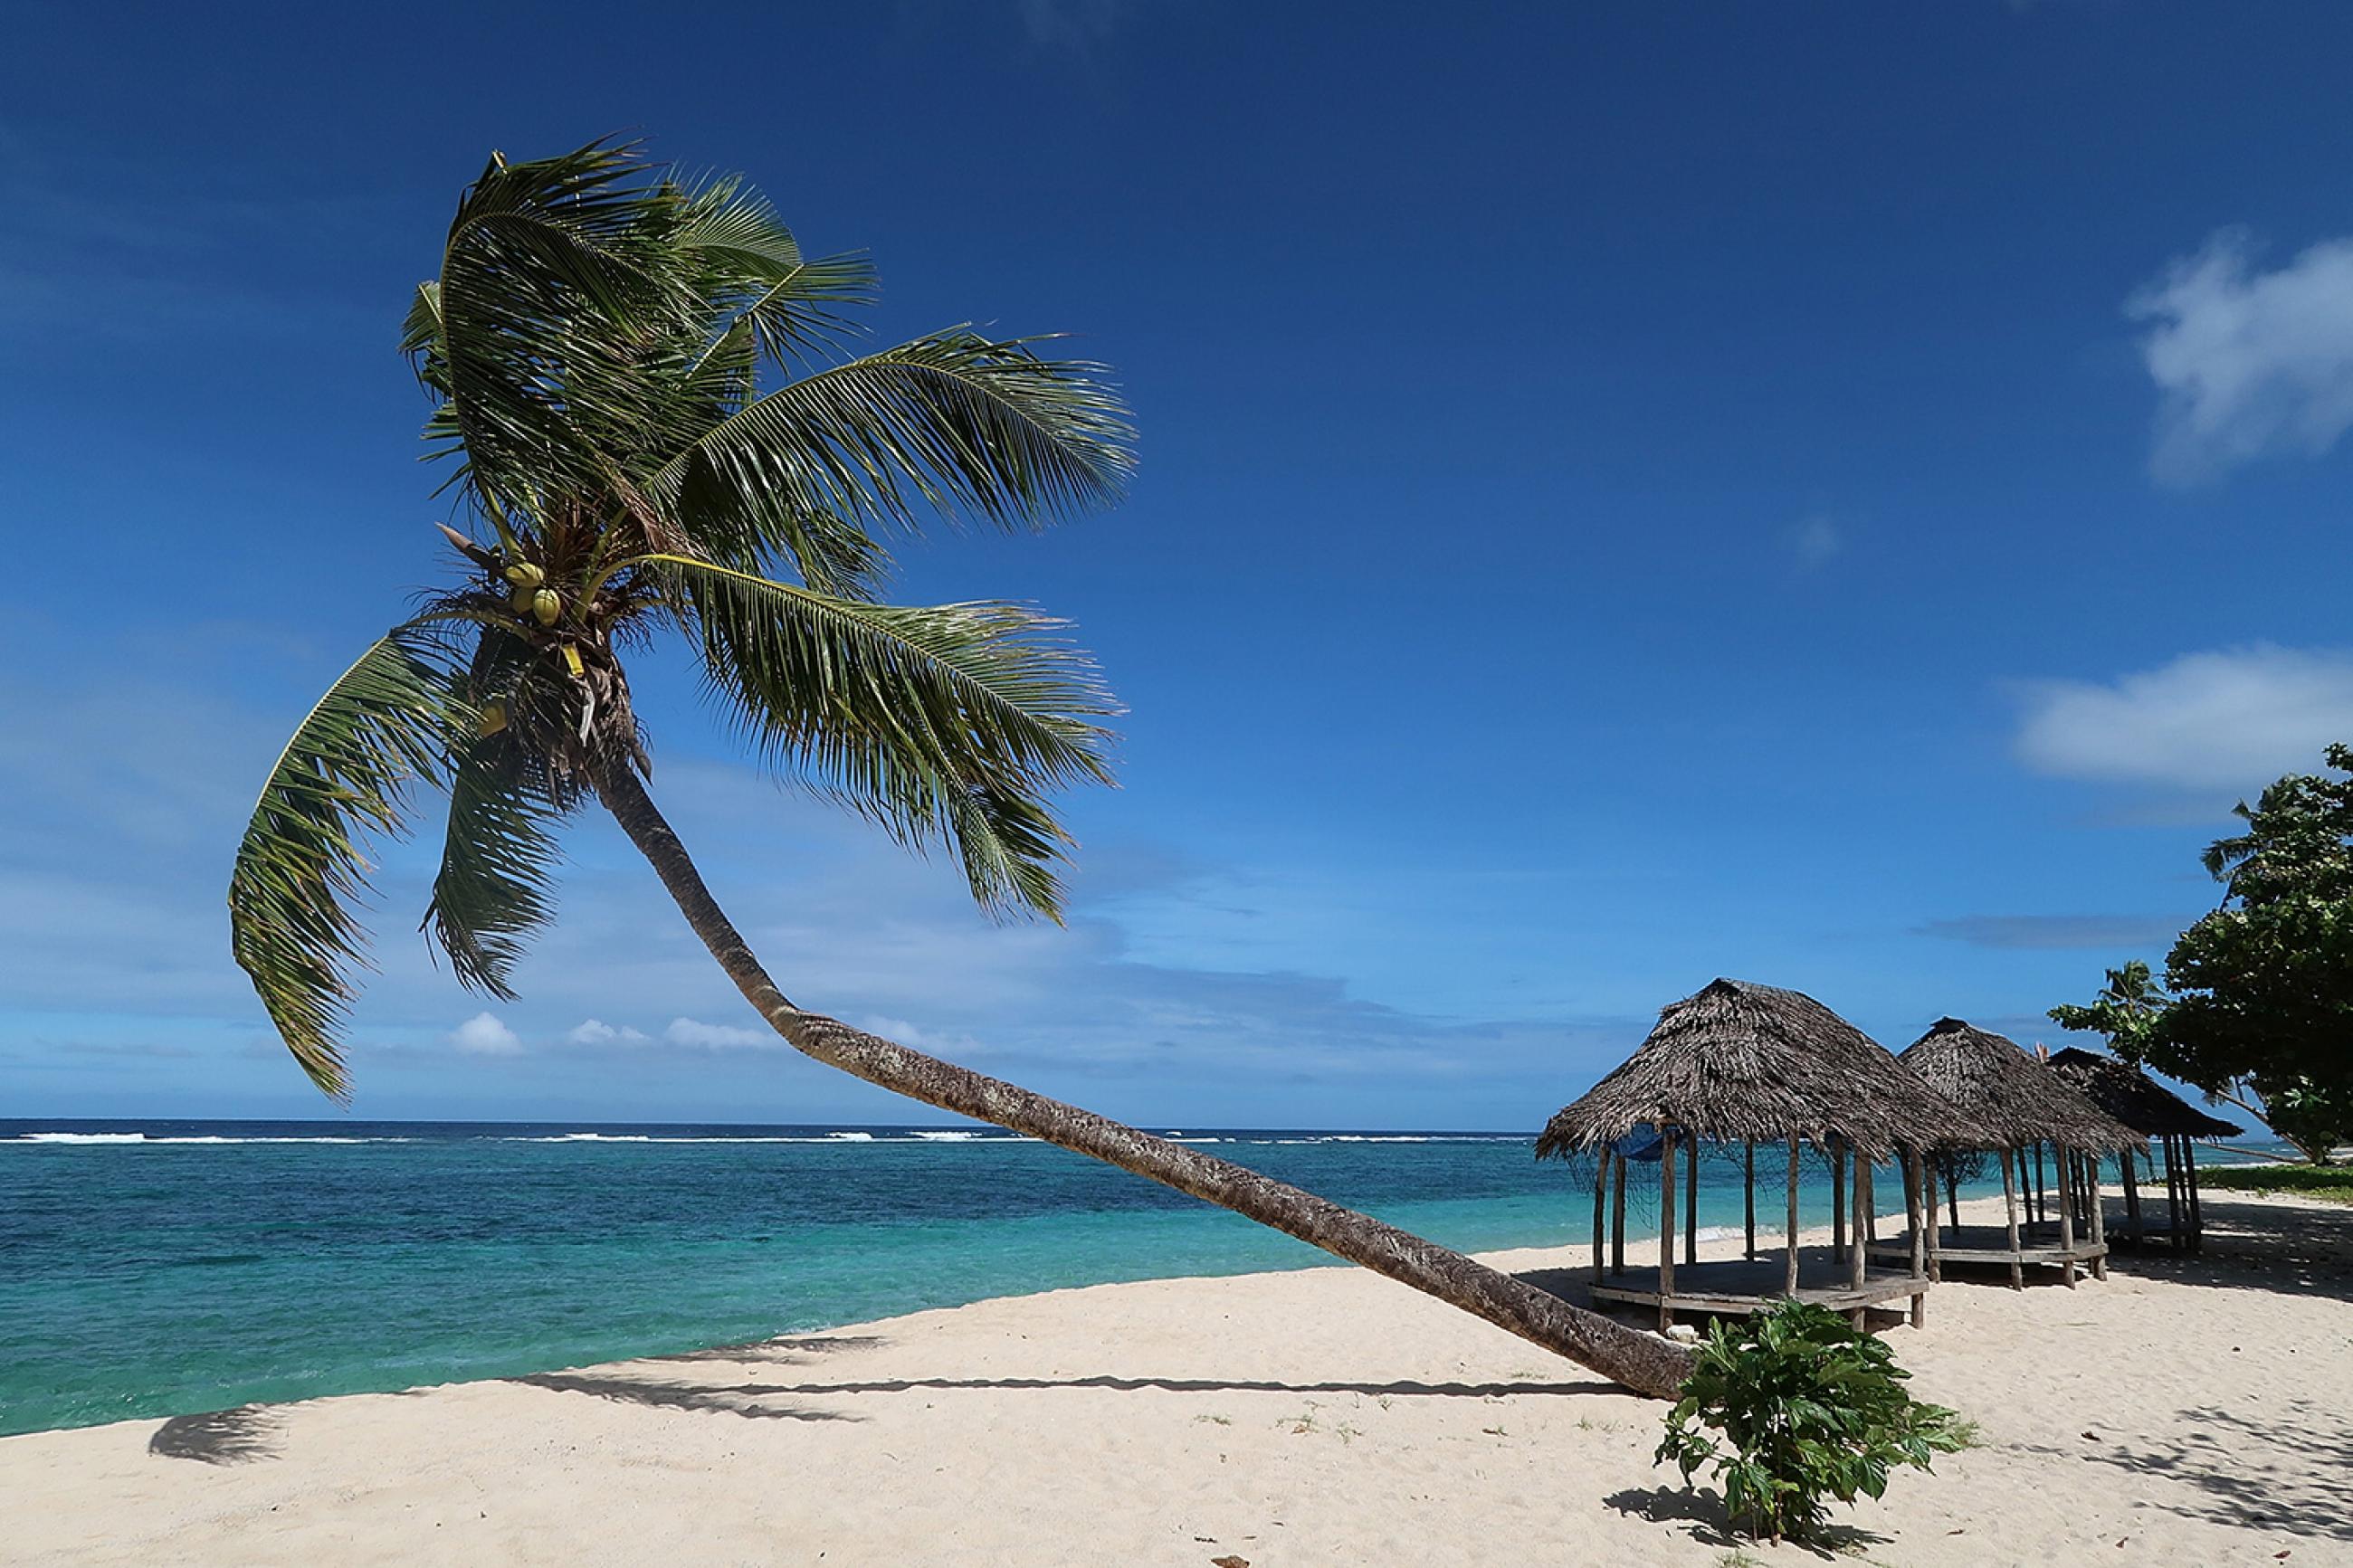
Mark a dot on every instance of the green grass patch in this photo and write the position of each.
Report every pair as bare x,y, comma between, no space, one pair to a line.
2334,1183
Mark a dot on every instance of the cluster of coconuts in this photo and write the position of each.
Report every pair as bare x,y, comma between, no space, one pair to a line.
532,594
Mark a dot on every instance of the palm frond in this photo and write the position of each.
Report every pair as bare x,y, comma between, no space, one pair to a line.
945,723
555,276
724,376
496,886
798,313
421,335
955,424
1008,845
755,273
383,727
727,220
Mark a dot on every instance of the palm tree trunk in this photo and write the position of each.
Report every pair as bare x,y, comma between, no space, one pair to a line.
1625,1355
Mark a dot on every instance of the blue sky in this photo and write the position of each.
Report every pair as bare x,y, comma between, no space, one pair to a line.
1843,496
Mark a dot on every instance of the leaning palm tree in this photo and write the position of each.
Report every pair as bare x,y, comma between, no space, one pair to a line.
594,348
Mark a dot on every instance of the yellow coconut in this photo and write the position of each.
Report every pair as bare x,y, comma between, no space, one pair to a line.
546,606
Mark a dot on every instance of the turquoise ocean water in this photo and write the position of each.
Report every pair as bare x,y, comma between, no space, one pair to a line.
155,1268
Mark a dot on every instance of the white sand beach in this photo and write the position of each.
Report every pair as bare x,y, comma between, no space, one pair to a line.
2197,1412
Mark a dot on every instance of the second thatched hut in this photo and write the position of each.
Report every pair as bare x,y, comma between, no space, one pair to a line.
2022,1106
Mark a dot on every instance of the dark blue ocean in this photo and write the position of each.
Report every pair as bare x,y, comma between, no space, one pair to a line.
156,1268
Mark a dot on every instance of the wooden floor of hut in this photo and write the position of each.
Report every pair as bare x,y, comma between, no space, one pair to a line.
1735,1289
2039,1247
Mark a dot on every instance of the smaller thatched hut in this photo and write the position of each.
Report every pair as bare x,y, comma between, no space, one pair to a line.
2152,1111
2021,1105
1742,1064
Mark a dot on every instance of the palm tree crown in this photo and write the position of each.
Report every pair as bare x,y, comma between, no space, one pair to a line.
595,345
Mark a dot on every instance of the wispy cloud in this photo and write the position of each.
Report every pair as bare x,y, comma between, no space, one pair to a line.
597,1032
2020,931
2249,363
2227,720
696,1035
116,246
110,900
1815,541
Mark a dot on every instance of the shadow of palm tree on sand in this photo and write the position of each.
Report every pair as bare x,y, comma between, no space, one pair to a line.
240,1435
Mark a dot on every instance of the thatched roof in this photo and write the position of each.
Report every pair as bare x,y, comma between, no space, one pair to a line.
1743,1062
2019,1099
2134,1098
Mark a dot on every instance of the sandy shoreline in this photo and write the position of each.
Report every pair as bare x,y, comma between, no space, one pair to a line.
2198,1412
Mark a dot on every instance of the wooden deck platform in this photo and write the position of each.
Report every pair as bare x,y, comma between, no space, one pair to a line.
2039,1247
1736,1288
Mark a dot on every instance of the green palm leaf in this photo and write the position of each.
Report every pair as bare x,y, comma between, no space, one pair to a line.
556,275
955,424
383,727
756,275
495,886
945,723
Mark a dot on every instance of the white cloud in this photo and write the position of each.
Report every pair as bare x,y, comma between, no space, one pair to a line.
597,1032
484,1036
2233,719
700,1035
2250,363
1815,541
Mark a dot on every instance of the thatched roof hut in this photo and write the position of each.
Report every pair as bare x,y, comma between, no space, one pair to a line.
2132,1097
2019,1100
1743,1063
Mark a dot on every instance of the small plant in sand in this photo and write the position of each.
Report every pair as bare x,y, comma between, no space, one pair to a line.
1810,1410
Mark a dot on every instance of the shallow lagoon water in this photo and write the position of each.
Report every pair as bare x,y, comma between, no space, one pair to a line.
155,1268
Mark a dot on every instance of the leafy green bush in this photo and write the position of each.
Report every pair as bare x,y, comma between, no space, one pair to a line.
1811,1409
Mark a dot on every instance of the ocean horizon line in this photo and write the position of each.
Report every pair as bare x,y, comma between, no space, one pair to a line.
163,1129
218,1129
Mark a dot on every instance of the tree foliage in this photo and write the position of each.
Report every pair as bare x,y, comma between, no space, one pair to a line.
2126,1011
653,428
1812,1410
2263,985
2261,1009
